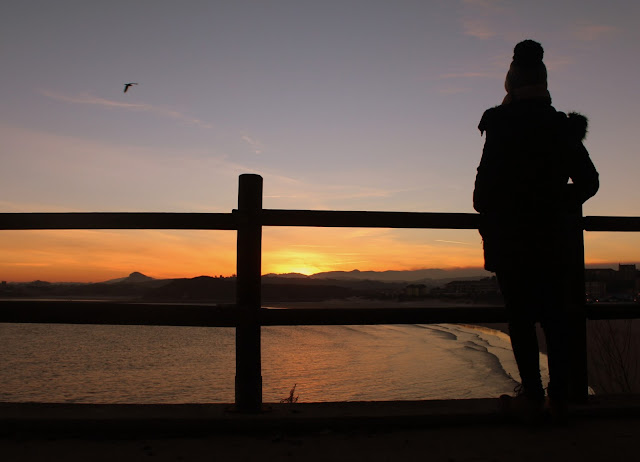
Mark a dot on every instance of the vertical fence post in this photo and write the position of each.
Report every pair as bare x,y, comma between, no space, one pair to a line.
577,335
248,298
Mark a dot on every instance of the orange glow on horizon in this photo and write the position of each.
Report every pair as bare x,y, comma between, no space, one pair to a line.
95,256
286,269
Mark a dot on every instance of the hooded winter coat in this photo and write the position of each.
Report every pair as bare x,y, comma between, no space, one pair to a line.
521,190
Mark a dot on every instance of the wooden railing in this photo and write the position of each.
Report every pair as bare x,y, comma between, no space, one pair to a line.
247,315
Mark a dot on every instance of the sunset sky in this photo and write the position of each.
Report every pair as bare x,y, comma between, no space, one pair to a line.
345,105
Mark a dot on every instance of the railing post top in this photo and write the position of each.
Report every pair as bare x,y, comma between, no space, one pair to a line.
250,192
252,177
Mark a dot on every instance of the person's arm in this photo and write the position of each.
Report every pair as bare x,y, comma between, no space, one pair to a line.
484,190
584,176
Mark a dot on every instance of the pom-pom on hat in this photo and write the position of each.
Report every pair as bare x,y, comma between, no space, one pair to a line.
527,68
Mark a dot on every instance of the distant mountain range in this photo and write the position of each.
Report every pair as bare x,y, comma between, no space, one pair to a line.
275,287
432,276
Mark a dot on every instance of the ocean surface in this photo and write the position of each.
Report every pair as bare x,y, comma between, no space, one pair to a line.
151,364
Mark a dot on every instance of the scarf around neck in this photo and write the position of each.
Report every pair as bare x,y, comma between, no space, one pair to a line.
527,92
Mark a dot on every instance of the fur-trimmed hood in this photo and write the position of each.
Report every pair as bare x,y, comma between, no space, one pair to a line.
578,124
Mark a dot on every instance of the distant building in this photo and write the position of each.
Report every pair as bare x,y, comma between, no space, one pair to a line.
627,272
595,289
415,290
600,274
478,287
607,282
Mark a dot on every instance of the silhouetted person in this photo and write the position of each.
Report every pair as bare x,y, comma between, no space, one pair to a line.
521,190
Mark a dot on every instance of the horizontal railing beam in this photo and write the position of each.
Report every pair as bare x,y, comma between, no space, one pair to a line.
612,311
115,313
202,315
109,220
358,219
595,223
274,217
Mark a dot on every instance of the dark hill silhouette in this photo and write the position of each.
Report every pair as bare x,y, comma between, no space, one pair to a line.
406,276
286,275
133,278
133,286
367,285
223,290
287,287
97,290
196,289
299,292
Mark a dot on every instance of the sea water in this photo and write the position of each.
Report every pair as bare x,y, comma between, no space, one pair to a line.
157,364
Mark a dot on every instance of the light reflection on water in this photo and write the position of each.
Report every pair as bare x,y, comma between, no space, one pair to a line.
152,364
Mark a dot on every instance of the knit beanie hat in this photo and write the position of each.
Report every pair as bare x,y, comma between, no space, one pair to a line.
527,69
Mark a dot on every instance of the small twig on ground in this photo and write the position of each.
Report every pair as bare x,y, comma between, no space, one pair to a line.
291,399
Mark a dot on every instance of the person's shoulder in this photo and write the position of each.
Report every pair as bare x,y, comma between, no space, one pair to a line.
492,116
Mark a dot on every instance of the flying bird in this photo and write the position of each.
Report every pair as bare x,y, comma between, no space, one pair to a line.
127,85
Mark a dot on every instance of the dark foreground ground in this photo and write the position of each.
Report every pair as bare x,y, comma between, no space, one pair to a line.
463,430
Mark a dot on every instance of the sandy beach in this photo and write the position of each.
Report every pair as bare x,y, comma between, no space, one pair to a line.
613,347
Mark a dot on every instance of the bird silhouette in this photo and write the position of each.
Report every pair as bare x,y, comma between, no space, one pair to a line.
127,85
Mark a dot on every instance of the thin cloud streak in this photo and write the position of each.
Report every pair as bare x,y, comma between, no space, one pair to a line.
559,62
328,193
454,90
21,207
256,146
589,32
35,265
468,75
478,28
487,19
493,5
454,242
86,98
